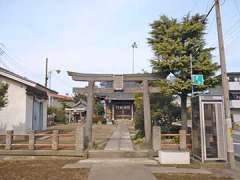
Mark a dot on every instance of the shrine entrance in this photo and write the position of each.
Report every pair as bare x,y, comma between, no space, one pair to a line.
123,110
117,86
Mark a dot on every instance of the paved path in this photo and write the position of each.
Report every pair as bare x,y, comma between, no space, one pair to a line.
117,169
120,139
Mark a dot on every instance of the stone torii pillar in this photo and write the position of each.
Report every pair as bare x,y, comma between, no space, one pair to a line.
147,113
89,119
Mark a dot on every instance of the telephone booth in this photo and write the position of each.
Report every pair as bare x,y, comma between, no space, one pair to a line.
209,140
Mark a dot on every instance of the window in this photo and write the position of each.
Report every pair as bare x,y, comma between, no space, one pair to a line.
234,78
234,95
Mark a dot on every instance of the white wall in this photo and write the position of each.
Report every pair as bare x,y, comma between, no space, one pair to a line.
13,116
236,115
234,86
29,113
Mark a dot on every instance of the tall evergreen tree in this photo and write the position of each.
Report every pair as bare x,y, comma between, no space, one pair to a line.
3,92
173,42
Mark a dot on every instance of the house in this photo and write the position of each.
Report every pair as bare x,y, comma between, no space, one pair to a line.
57,100
26,108
234,94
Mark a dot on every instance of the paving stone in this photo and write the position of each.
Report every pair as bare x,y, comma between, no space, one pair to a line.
119,171
120,140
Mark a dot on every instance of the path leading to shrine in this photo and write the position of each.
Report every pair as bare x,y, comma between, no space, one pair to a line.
120,139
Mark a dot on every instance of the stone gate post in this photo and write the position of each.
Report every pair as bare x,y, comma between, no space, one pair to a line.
89,118
79,138
147,112
156,138
9,139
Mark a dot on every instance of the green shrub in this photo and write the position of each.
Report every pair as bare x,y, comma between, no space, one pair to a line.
59,114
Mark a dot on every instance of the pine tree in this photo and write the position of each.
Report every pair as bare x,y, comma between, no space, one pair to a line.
173,42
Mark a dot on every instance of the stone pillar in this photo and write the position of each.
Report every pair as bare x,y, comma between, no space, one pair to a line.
105,109
113,113
80,114
147,112
9,139
55,140
79,138
132,112
183,140
69,116
156,138
89,119
31,137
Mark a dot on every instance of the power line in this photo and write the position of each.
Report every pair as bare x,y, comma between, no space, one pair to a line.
234,30
23,68
207,7
209,12
236,6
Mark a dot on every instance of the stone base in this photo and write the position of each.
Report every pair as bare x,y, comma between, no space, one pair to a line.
174,157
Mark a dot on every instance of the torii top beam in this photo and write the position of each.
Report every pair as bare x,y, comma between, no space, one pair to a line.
111,77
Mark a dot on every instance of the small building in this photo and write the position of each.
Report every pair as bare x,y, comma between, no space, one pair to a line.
77,112
26,108
118,105
234,94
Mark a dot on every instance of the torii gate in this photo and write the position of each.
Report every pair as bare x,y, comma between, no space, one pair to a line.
118,85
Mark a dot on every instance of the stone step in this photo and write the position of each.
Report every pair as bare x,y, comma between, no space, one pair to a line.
119,154
89,163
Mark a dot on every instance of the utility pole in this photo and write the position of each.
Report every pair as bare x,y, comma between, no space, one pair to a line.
46,73
134,45
225,85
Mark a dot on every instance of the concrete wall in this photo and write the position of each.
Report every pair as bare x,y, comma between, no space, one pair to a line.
13,116
45,105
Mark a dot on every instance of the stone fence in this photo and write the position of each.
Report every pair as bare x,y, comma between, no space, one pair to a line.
54,143
170,141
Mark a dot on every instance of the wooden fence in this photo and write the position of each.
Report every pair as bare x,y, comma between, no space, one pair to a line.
53,141
181,141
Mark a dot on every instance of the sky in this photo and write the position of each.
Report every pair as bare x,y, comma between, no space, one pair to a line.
95,36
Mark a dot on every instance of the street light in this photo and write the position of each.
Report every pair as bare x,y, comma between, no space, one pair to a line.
50,76
134,45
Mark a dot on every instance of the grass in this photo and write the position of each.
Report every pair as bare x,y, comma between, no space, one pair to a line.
39,170
189,177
